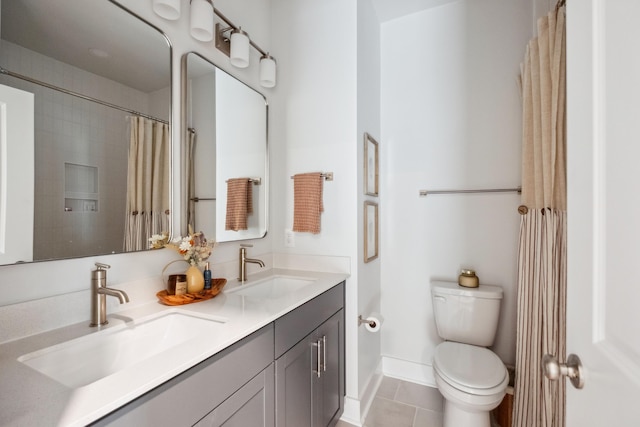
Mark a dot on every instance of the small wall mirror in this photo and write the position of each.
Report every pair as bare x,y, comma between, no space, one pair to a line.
90,67
226,153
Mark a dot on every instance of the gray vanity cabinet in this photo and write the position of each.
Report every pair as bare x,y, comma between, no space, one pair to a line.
310,373
290,373
228,388
251,406
329,385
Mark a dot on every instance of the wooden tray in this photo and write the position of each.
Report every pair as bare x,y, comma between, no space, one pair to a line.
216,288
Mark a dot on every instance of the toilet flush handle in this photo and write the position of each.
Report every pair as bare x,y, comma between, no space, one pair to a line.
553,370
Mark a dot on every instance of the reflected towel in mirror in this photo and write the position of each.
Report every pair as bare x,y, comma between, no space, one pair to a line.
239,203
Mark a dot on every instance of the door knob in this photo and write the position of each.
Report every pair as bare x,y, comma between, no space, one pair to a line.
553,370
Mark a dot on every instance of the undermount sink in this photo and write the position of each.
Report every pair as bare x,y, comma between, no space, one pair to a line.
271,288
87,359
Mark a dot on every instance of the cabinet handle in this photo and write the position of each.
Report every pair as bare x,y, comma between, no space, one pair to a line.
324,353
318,362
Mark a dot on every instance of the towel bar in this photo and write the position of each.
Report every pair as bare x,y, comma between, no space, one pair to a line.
425,193
202,199
328,176
256,181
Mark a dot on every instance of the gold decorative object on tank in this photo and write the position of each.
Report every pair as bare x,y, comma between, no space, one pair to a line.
468,279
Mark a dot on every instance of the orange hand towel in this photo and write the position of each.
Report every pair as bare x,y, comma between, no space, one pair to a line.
239,203
307,202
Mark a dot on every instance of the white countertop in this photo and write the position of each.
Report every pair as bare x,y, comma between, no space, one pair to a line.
29,398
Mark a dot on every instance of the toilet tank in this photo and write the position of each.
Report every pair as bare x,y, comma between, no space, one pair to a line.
466,315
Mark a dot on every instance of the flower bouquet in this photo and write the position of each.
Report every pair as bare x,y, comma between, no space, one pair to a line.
194,249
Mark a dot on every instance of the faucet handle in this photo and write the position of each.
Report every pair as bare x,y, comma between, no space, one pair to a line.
245,245
102,266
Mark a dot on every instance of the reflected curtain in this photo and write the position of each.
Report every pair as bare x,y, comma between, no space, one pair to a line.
148,182
541,325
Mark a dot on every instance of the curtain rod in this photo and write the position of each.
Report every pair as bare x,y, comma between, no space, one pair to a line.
424,193
79,95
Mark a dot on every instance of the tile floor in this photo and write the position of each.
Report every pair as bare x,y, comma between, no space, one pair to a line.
404,404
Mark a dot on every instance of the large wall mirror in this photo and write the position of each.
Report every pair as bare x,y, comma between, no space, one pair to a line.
100,80
226,161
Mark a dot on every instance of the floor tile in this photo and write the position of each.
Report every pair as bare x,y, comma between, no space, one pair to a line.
388,387
425,418
344,424
420,396
387,413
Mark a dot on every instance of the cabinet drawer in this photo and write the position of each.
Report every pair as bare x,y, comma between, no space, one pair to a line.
297,324
185,399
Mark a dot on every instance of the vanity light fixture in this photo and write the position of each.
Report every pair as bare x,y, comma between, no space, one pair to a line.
167,9
239,55
236,46
267,71
202,20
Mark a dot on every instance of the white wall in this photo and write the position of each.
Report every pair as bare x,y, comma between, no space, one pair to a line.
314,129
368,121
450,120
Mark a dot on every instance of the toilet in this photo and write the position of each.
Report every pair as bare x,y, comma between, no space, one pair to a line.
471,378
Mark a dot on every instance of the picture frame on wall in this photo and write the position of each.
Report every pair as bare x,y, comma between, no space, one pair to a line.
370,165
370,231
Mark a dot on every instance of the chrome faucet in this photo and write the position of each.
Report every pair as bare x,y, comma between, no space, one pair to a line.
243,262
99,292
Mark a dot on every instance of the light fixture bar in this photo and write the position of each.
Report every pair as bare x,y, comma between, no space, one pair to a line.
235,27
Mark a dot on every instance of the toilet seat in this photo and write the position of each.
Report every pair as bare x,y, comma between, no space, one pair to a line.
474,370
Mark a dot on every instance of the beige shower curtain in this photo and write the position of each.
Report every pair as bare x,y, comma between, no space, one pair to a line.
148,181
542,246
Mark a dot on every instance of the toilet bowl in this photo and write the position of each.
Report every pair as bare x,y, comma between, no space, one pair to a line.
473,381
471,378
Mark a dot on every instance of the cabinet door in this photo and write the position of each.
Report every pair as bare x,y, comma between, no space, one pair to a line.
329,387
250,406
293,386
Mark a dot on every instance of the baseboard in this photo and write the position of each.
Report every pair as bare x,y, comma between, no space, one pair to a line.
369,393
408,371
355,411
351,413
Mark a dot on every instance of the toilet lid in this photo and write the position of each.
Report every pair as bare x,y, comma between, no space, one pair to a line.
466,366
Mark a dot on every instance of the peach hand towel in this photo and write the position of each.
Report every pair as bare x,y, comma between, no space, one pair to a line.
307,202
239,203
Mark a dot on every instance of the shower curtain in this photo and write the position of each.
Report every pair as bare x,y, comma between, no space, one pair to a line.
148,181
542,274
